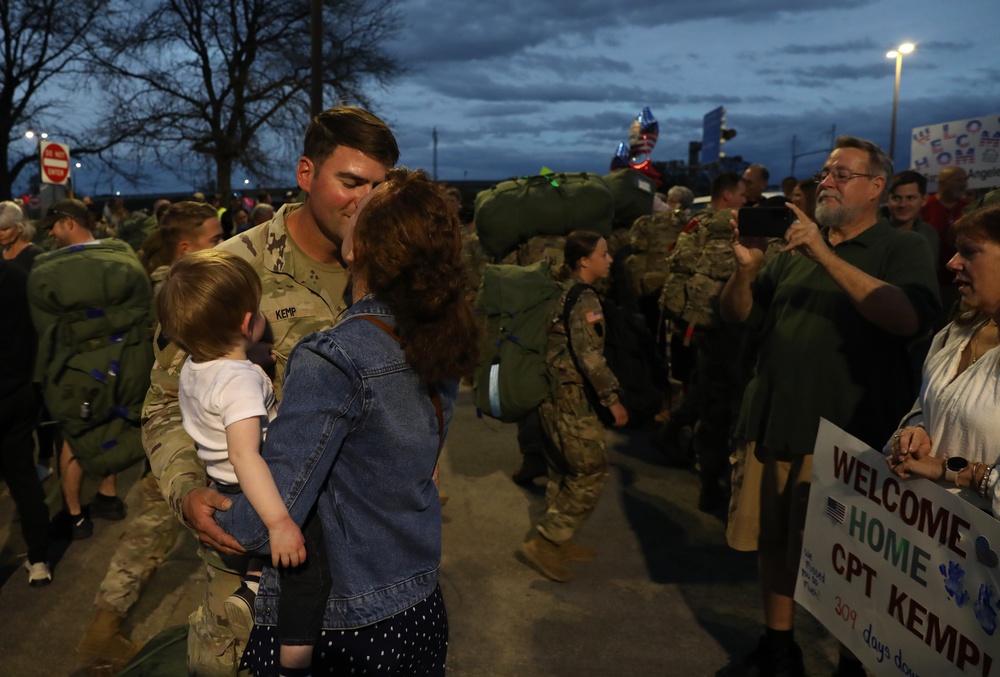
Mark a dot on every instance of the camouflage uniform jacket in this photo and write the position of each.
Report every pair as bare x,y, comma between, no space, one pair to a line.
652,238
294,305
587,331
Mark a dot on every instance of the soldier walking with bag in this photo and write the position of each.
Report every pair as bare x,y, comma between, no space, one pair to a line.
575,449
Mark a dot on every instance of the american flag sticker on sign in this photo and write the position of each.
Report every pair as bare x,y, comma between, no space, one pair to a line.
836,510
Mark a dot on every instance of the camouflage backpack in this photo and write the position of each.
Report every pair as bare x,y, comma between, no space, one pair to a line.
697,270
539,248
652,238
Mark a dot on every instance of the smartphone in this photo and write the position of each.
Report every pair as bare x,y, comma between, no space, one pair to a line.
765,221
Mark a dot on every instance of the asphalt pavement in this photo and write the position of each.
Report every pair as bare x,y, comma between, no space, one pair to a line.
665,596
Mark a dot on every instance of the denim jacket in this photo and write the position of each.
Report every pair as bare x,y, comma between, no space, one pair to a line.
357,436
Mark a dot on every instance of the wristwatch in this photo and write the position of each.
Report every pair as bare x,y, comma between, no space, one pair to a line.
953,466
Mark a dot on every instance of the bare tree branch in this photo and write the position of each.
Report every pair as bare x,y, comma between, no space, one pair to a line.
227,80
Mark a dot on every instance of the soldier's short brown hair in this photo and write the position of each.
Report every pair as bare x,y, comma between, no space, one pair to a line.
352,127
204,300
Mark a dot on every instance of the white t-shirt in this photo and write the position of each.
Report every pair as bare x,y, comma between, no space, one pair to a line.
215,394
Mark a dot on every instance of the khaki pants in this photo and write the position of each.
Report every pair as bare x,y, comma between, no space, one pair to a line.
770,497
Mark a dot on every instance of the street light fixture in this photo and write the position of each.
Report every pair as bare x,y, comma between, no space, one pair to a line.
897,54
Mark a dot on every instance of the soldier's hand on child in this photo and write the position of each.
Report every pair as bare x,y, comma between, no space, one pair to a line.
198,507
288,548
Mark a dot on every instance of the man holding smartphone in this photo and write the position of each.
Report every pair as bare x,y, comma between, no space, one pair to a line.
836,310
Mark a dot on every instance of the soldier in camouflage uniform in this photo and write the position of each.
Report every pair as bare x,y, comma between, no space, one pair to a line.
347,152
575,455
150,535
697,269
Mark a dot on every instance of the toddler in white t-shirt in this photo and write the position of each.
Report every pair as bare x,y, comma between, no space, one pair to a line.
210,306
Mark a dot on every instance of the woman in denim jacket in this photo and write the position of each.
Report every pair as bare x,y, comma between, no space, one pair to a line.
363,415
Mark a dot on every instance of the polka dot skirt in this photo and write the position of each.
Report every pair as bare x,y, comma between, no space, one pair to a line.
412,642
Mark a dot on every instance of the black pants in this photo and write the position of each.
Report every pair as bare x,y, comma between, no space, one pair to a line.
530,438
304,590
17,466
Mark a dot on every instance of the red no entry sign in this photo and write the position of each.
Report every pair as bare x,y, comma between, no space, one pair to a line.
55,162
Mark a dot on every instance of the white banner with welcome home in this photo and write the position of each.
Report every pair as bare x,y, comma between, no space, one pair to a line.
973,145
903,572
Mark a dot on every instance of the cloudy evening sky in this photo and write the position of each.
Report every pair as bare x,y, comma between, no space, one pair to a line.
516,85
513,86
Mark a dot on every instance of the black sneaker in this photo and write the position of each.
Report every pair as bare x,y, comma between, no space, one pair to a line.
762,662
80,527
106,508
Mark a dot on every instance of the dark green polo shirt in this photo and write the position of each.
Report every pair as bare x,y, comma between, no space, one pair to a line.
820,358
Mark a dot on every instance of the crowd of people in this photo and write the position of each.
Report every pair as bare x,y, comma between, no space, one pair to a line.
266,364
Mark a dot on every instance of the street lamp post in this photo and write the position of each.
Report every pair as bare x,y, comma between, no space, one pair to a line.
896,54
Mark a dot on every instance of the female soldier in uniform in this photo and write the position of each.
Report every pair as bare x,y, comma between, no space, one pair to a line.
577,463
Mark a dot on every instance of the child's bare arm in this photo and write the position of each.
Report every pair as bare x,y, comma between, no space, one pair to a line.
243,438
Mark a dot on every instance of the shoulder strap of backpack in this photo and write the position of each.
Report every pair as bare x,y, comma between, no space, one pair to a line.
435,397
572,296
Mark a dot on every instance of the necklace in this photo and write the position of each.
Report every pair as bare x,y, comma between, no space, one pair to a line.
976,352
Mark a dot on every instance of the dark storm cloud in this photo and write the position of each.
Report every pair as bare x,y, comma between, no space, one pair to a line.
835,48
714,99
456,30
825,75
472,86
501,109
940,46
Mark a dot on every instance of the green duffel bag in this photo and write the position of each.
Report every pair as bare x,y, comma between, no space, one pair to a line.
514,211
633,194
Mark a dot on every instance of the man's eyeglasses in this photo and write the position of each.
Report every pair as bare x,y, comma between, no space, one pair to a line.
840,175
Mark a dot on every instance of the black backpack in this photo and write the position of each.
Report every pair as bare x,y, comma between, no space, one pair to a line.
630,351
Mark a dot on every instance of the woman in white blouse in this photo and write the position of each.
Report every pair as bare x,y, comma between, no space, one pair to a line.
953,433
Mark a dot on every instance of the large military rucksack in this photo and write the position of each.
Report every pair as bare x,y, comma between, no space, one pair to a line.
512,379
651,239
697,270
93,306
514,211
633,194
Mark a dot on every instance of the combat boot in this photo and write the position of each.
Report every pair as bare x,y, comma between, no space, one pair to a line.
574,552
103,640
544,555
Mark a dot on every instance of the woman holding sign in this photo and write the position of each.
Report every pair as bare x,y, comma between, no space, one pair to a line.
953,433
